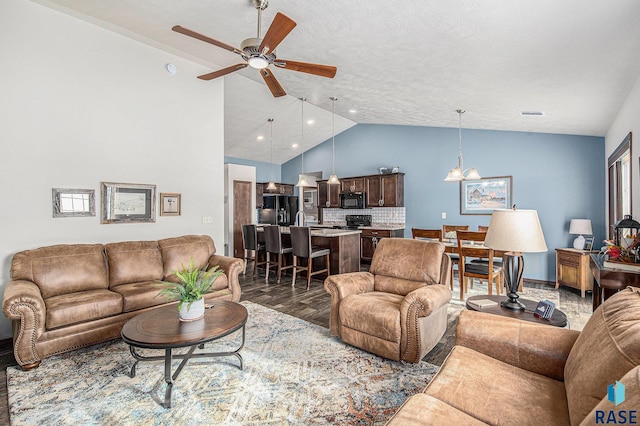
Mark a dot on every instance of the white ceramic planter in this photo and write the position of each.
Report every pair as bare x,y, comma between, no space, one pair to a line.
195,311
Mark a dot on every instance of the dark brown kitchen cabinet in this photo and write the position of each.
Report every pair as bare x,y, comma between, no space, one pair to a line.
261,189
328,195
352,184
369,239
385,190
259,193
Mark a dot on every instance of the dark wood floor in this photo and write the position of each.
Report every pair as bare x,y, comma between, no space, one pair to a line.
311,305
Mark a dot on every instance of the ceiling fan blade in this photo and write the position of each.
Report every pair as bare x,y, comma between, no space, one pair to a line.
222,72
316,69
278,30
206,39
272,83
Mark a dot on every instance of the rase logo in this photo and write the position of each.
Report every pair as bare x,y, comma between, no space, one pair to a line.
615,394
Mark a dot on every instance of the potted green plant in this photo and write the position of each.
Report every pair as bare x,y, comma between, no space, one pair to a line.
194,283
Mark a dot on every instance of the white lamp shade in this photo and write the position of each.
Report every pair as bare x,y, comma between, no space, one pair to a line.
455,174
580,227
515,230
473,174
333,180
302,182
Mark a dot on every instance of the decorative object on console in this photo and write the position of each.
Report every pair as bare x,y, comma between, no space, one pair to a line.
626,230
302,182
128,202
482,196
579,227
457,173
516,232
189,292
272,185
73,202
170,204
333,179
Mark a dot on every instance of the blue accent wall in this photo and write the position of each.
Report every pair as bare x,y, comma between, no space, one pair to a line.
560,176
263,170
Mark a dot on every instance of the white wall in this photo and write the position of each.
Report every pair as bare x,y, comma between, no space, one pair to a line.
628,120
80,105
235,172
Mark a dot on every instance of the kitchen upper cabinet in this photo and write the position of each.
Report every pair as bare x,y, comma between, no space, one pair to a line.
259,193
385,190
328,195
281,188
352,184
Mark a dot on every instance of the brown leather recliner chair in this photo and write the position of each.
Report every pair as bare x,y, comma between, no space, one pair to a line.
398,309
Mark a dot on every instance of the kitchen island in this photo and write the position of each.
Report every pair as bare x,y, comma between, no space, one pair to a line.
343,243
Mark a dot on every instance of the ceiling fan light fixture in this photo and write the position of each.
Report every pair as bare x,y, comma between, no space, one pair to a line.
258,62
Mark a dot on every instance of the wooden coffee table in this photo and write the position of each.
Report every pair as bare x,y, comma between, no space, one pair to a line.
160,328
558,318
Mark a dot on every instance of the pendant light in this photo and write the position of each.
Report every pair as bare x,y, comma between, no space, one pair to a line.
333,179
272,185
457,173
302,182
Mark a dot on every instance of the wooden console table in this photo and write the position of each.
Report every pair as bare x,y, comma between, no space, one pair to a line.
608,281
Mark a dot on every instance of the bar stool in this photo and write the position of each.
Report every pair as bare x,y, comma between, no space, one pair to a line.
273,242
252,247
301,243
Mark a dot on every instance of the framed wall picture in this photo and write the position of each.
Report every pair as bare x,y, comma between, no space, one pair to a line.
67,202
128,202
170,204
588,243
483,196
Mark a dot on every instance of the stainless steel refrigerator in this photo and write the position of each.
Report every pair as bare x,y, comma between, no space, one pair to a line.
278,210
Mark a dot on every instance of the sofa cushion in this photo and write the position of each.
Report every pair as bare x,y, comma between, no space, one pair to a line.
220,283
63,268
406,265
140,295
82,306
612,334
133,261
425,409
481,386
178,252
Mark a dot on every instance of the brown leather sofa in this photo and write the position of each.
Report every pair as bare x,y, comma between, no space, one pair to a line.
65,297
398,309
510,372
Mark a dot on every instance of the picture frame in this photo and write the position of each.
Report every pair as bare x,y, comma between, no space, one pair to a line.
71,202
483,196
588,243
128,202
170,204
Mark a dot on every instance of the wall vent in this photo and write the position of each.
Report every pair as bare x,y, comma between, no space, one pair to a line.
532,113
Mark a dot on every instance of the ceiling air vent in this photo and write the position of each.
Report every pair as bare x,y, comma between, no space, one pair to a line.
532,113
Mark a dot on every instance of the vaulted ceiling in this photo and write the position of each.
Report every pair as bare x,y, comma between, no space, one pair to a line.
402,62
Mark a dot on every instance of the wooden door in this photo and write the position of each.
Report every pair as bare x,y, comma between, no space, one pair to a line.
241,213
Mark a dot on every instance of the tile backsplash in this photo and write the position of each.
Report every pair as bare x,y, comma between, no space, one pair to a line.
382,215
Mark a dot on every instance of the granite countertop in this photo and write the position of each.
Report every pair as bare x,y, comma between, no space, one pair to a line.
385,226
326,232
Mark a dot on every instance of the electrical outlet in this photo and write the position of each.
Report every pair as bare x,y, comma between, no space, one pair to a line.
444,215
207,219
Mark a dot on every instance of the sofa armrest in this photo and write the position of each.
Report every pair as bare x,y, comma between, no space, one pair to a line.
341,286
23,304
420,303
232,267
539,348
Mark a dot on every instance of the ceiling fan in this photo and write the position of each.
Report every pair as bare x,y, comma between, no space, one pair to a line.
259,53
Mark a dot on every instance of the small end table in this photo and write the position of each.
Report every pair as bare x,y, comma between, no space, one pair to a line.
558,318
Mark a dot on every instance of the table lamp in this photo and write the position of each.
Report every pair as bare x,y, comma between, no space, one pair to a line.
579,227
515,232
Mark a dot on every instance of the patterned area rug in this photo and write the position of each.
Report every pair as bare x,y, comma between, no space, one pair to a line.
294,373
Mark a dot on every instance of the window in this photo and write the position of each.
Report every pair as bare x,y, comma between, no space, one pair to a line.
619,164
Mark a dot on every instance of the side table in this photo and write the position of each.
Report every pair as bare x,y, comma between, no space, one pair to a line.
572,269
558,318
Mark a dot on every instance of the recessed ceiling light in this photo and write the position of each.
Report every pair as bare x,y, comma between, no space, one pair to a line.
531,113
260,137
352,111
310,121
295,145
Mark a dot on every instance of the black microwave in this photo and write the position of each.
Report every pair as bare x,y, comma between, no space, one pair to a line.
353,200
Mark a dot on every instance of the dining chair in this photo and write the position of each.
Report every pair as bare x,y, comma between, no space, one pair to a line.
302,248
449,233
470,247
432,235
274,246
482,228
252,248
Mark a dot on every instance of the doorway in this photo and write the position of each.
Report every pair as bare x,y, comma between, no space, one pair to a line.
242,213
